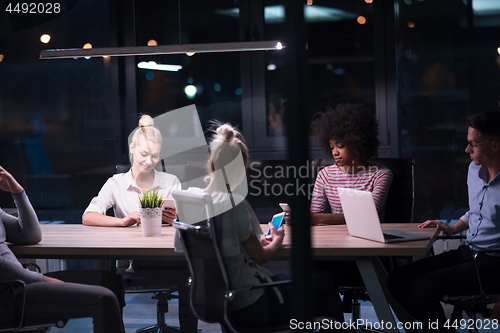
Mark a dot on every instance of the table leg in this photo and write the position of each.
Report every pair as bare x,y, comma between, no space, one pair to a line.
375,278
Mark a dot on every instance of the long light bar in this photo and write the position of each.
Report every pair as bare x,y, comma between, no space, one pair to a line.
159,67
161,49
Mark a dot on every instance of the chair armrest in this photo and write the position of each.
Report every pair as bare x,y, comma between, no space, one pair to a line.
5,285
196,227
474,259
230,294
269,284
31,265
451,237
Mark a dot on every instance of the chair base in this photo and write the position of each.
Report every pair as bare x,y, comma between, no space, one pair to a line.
163,328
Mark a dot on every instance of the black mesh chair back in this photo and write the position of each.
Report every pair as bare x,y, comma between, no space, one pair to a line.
122,168
400,199
211,291
209,283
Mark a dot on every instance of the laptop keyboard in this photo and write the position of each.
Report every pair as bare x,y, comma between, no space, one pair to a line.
389,237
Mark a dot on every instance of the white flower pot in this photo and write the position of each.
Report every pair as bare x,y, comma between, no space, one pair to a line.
151,221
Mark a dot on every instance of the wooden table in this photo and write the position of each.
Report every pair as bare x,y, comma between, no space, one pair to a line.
78,241
62,241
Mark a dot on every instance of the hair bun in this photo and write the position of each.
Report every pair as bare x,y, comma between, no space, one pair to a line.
226,131
146,121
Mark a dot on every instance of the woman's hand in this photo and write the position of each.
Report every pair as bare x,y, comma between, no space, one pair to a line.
168,215
261,251
131,219
288,218
50,279
9,183
277,235
265,241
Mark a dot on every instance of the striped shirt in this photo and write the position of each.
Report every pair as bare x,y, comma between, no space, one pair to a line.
377,179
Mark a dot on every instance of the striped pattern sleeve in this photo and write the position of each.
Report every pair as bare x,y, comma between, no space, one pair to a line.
376,179
319,197
382,181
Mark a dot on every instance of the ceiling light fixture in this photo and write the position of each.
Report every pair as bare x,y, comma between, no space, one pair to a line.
160,67
161,49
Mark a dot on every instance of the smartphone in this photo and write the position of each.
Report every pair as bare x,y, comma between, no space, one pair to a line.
285,207
169,203
277,221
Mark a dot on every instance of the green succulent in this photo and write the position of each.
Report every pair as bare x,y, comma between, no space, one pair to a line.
151,199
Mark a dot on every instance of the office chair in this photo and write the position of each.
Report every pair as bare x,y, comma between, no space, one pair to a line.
210,290
10,292
473,305
401,195
148,277
399,209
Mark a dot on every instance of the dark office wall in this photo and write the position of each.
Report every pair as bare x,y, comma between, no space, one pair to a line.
448,69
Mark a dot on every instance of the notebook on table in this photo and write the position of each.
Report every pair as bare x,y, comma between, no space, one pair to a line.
362,219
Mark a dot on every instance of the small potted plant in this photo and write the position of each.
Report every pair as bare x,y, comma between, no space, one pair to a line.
150,210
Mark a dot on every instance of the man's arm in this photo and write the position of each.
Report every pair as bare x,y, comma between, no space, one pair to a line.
447,229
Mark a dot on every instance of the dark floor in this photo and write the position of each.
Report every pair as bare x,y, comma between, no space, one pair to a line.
140,312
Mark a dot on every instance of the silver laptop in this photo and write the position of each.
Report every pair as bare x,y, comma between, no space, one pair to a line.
362,219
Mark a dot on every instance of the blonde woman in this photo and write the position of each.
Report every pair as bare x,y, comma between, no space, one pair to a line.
239,232
121,191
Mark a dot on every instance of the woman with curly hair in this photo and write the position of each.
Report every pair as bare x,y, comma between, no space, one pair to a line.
349,133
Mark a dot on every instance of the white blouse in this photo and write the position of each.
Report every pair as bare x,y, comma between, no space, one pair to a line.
122,193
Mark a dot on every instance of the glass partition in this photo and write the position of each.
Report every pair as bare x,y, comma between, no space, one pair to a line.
443,78
341,64
56,115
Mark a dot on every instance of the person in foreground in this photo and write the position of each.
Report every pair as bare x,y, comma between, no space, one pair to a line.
349,133
420,286
48,297
238,231
122,190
